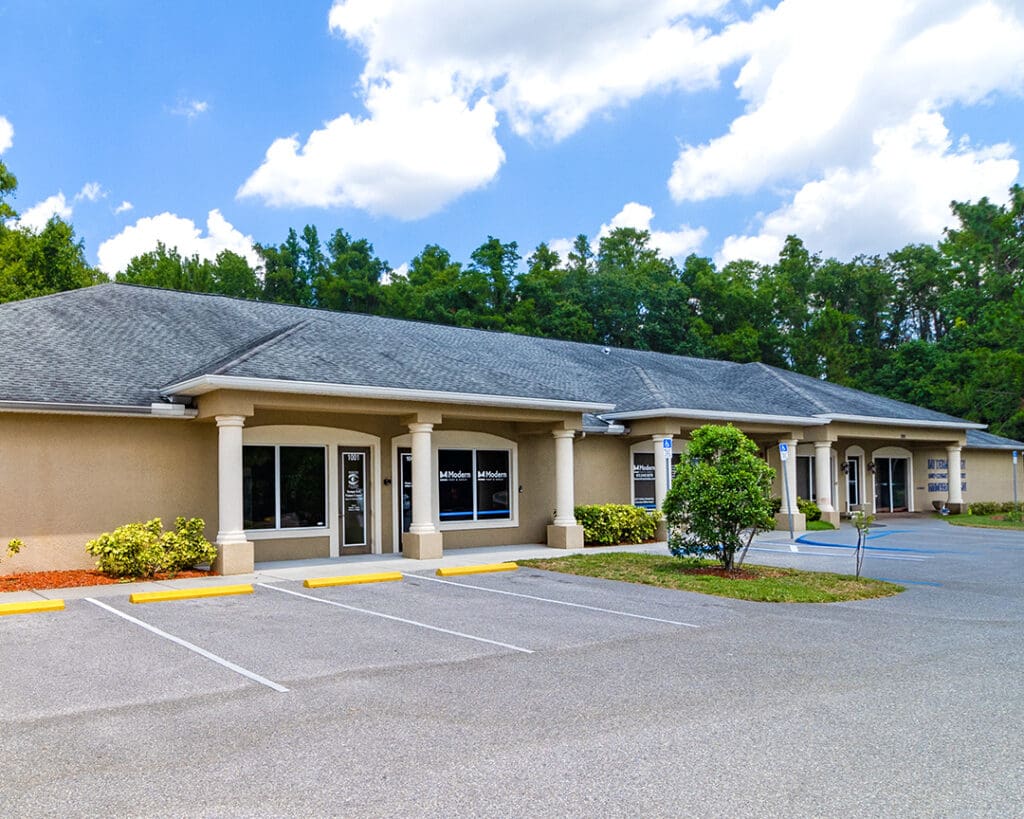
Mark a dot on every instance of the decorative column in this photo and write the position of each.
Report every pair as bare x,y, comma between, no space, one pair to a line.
788,479
564,532
823,481
422,541
956,499
235,554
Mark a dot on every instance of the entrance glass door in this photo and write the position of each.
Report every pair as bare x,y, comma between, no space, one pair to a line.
354,464
891,485
852,482
405,484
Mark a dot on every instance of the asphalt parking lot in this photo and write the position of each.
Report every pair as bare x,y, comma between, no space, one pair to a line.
534,694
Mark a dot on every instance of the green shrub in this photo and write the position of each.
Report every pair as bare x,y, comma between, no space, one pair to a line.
776,505
14,546
809,508
143,549
187,546
611,523
991,508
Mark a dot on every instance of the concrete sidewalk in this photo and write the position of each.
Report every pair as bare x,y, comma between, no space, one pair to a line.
271,572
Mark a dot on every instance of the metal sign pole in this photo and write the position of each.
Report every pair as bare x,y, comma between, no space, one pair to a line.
784,455
1015,479
666,449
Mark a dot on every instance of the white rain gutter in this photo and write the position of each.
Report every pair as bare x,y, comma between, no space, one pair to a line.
715,415
896,422
203,384
154,410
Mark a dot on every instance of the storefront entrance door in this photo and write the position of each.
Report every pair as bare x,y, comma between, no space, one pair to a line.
354,465
891,485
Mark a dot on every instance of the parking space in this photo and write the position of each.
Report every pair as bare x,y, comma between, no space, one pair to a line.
106,653
532,693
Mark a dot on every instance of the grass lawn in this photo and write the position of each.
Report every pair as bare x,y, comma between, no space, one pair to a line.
984,521
820,526
767,584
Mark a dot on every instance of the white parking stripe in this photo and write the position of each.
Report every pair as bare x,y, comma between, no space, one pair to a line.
549,600
397,619
186,644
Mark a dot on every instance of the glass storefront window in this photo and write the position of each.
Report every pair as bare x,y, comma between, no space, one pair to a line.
284,487
492,485
259,487
455,484
643,479
474,484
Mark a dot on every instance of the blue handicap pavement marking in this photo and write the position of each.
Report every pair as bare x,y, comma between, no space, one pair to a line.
807,541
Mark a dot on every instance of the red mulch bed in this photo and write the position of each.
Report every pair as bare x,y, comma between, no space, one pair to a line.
29,581
718,571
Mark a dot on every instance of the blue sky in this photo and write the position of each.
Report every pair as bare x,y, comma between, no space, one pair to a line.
720,126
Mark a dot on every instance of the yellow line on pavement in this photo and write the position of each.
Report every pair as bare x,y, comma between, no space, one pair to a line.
351,579
455,571
29,608
189,594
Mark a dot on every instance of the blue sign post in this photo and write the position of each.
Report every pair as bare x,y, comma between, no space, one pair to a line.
784,455
666,450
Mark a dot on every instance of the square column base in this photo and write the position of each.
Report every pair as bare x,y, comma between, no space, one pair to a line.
799,522
422,546
831,517
565,537
235,558
661,533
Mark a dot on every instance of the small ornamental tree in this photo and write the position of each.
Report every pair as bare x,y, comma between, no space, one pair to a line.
720,497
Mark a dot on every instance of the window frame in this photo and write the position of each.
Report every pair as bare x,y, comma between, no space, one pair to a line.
278,528
476,522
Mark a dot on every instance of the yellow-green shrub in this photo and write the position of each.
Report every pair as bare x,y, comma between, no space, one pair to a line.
143,549
611,523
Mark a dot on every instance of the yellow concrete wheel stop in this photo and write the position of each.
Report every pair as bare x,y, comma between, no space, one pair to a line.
455,571
32,607
351,579
189,594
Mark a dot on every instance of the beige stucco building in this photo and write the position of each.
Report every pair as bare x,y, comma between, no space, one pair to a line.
300,433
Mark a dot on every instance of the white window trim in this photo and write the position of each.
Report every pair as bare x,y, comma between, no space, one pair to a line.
895,452
331,438
455,439
856,451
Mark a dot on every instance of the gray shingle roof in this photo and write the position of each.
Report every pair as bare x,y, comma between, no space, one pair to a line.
122,344
979,439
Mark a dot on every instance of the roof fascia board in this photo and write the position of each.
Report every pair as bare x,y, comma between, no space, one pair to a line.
115,410
898,422
208,383
714,415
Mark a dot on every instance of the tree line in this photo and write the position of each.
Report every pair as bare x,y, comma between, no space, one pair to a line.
938,325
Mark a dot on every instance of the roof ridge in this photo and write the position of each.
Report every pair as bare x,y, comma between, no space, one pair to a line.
243,352
780,376
652,385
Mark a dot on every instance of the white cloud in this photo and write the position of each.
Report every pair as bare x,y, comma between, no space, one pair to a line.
124,207
36,217
6,134
820,79
91,191
675,244
439,73
901,196
409,158
175,232
190,108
